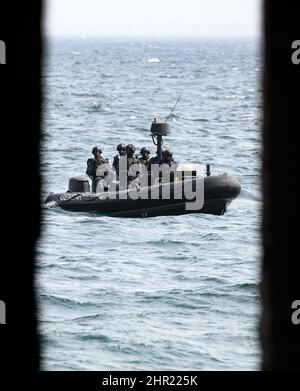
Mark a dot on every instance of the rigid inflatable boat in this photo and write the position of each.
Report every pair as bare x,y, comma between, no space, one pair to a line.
219,192
187,192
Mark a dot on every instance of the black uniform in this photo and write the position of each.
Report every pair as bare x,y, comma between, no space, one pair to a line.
121,148
92,166
153,160
145,156
164,160
170,163
116,165
130,162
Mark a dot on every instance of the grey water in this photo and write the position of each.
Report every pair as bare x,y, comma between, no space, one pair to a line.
163,293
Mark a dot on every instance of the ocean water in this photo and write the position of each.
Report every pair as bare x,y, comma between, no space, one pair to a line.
163,293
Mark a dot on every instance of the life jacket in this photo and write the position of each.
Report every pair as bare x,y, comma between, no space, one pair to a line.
92,165
143,161
131,161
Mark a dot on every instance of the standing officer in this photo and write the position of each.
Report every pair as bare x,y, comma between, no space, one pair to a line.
167,158
131,157
93,164
144,159
121,148
131,160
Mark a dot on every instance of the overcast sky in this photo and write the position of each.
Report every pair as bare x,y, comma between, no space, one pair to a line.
153,17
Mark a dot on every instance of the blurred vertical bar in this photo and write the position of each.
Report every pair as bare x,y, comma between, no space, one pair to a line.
20,108
280,285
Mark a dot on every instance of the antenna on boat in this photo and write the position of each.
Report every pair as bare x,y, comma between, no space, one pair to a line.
158,130
174,106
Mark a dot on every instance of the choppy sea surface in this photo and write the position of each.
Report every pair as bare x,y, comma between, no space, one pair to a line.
163,293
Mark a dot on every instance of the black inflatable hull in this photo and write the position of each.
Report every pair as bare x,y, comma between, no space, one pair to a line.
219,192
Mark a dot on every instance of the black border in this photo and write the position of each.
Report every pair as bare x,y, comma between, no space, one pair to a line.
20,118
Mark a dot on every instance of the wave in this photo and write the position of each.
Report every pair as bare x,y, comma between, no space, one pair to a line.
50,204
87,317
248,195
164,241
99,108
167,76
247,286
65,301
95,337
200,120
89,94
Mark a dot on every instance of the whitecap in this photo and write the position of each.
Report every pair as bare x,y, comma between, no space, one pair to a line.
50,204
153,60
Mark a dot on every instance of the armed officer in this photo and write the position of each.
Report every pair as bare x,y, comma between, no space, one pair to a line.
92,167
131,156
131,160
121,148
145,158
167,158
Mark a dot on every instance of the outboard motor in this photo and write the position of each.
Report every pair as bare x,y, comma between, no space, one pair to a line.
79,184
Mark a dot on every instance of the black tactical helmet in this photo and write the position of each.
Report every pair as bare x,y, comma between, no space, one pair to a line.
167,153
145,150
96,149
121,147
130,148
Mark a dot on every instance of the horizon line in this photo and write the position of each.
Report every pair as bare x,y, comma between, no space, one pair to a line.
148,36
